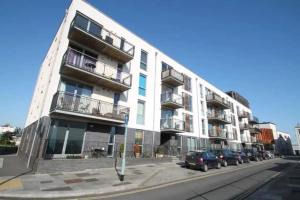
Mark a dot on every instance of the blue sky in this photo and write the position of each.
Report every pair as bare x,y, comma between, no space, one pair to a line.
252,47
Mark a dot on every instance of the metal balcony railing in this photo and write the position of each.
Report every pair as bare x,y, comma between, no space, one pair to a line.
219,116
214,99
169,96
253,140
89,64
85,105
87,25
242,114
243,126
217,132
172,73
172,124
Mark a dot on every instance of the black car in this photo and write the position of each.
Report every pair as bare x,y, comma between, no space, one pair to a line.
242,157
227,157
202,159
254,155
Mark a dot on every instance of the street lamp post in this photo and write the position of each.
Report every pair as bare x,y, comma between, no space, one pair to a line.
124,153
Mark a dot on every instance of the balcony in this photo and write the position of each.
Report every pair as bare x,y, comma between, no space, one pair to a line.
214,100
243,114
253,120
218,118
84,67
171,100
93,35
229,135
79,106
254,130
245,139
217,133
253,139
172,77
244,126
172,125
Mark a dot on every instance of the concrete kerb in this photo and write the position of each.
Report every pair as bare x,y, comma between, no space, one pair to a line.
121,189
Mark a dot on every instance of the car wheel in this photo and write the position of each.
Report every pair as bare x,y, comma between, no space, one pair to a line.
225,163
187,165
236,162
205,168
218,165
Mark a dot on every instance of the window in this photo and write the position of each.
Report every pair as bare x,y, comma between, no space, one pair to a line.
202,107
187,83
235,137
201,91
95,29
142,85
65,137
81,22
139,137
233,120
188,119
187,102
140,113
203,126
232,107
144,58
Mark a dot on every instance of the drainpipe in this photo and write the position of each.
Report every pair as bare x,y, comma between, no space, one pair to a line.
153,118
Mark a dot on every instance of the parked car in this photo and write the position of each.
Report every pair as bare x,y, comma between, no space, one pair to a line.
227,157
242,157
254,155
202,159
269,154
264,155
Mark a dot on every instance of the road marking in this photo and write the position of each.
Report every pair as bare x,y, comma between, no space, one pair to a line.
148,188
12,184
1,162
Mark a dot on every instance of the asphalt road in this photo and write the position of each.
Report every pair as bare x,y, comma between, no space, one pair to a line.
229,185
285,186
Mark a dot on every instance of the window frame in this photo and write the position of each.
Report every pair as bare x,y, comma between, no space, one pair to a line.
144,65
140,86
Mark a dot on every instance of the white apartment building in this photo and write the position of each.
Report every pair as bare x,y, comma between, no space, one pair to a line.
296,146
96,72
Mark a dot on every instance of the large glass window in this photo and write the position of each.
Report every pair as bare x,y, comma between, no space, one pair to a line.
140,113
144,59
188,102
81,22
95,29
56,137
75,138
188,120
65,137
187,83
142,85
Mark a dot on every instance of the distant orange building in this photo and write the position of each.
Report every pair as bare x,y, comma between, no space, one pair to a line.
266,136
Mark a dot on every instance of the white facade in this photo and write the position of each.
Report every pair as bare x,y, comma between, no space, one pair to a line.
297,133
284,135
50,81
7,128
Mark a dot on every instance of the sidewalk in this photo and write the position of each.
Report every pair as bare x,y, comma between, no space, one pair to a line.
98,181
